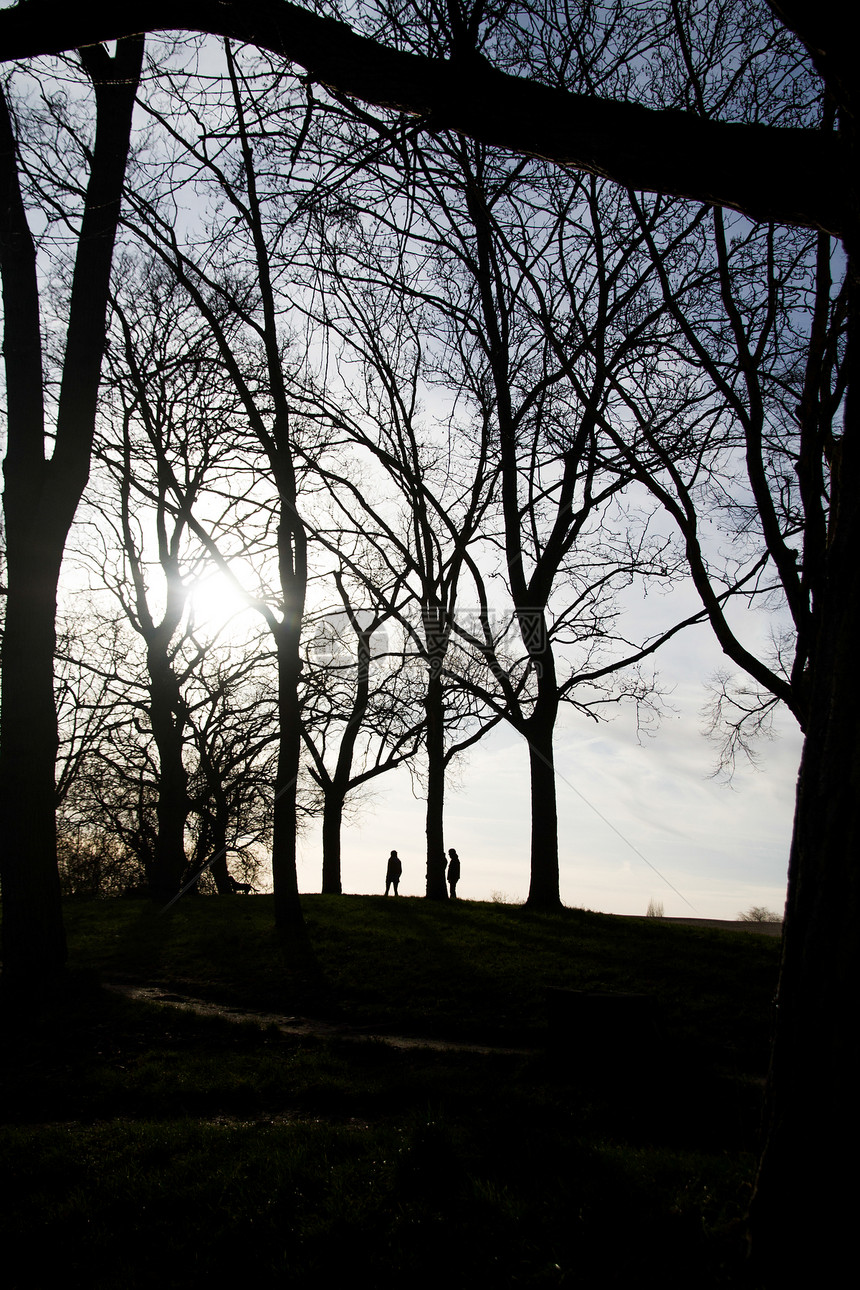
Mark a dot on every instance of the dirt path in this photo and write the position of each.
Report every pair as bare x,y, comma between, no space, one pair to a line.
300,1026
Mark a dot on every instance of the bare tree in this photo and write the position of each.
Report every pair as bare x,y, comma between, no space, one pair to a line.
474,245
233,730
242,313
106,786
761,330
44,481
362,715
423,504
161,454
143,466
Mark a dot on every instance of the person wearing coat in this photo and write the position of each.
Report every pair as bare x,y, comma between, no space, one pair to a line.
393,872
453,872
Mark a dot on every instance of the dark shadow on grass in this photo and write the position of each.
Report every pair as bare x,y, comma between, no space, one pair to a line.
297,1161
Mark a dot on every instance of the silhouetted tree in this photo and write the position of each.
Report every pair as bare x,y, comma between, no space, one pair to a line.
565,553
45,470
420,508
143,499
233,730
760,324
462,237
360,702
242,311
107,781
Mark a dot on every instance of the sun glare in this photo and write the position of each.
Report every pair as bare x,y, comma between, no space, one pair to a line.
215,602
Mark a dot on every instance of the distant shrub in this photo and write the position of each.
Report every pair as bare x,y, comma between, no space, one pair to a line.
655,909
92,864
759,914
502,898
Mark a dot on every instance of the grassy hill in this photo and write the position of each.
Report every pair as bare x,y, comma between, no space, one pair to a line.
158,1147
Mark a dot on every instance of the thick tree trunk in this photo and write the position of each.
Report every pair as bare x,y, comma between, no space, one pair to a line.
331,832
33,936
219,868
211,848
40,500
169,862
435,708
544,886
34,942
803,1213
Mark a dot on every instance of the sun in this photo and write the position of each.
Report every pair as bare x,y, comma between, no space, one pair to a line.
215,602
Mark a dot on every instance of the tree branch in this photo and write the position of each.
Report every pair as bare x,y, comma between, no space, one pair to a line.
785,175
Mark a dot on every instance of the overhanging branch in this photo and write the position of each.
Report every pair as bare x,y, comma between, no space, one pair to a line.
789,176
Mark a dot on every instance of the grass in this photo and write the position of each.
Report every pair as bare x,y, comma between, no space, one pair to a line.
157,1147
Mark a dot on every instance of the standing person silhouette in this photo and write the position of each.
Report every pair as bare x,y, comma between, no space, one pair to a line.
393,872
453,872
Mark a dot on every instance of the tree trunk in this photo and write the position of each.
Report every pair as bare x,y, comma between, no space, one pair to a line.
435,707
803,1213
34,942
169,862
336,789
219,868
285,883
331,830
544,886
802,1216
40,500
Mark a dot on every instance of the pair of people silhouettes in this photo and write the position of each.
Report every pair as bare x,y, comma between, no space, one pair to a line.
395,870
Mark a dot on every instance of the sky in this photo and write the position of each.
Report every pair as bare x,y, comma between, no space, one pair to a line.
638,819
